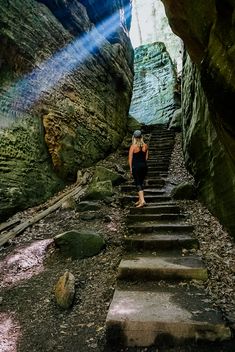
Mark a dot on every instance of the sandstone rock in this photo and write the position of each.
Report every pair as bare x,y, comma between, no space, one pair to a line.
65,290
155,79
104,174
154,27
205,154
184,190
78,114
176,121
99,190
87,205
208,105
79,244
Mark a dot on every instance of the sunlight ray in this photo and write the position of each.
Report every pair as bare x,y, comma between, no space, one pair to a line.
23,94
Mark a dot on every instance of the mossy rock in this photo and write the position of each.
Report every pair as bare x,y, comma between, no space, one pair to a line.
79,244
99,190
132,124
104,174
184,190
176,122
87,206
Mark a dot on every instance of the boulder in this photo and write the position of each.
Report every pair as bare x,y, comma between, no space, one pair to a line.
79,244
184,190
104,174
87,206
65,290
99,190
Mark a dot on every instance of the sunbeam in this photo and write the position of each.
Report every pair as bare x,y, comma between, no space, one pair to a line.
22,95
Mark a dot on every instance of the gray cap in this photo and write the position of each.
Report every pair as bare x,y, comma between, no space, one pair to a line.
137,134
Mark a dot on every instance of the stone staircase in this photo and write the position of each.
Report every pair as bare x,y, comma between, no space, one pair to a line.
154,302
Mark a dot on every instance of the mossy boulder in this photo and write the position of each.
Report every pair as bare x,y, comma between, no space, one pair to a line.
99,190
184,190
104,174
87,206
79,244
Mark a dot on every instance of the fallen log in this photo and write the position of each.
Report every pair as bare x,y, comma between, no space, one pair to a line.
77,191
6,225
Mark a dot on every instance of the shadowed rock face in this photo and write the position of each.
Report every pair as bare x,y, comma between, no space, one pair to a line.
207,28
154,84
47,137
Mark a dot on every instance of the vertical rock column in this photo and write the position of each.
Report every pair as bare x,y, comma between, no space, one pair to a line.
154,83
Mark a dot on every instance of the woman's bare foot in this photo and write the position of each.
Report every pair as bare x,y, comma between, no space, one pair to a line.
137,203
141,205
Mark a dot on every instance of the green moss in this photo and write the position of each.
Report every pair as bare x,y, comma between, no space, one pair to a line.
26,173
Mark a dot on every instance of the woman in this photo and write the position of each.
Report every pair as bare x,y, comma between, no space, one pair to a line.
138,155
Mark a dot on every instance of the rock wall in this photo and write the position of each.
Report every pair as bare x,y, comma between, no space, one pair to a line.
150,24
207,28
154,85
65,89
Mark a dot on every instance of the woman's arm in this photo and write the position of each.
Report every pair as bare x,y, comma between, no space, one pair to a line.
130,157
147,155
147,152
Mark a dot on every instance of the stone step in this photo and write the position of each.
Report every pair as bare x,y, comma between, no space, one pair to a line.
154,174
153,267
163,316
155,162
156,209
151,173
159,155
162,136
158,167
148,199
154,192
156,150
156,227
160,242
132,188
154,156
153,165
163,218
160,143
148,189
159,160
154,181
159,174
160,149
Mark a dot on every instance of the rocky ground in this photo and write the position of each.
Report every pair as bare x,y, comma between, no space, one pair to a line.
31,321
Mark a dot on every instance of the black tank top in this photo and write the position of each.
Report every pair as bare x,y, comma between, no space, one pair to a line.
139,158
